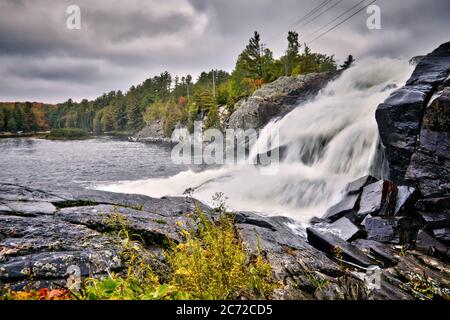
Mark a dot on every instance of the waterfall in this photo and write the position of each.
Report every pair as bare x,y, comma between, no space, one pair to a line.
327,142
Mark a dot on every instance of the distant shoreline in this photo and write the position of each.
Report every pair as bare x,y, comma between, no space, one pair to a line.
45,135
5,135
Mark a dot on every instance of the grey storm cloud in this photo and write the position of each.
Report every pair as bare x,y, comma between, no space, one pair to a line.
122,43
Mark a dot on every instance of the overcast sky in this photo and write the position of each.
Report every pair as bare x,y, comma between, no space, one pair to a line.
123,42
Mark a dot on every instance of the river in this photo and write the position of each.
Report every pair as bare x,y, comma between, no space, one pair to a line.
85,163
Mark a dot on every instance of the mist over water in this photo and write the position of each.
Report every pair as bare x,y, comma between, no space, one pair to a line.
328,142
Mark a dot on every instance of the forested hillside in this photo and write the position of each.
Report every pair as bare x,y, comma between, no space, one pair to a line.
172,99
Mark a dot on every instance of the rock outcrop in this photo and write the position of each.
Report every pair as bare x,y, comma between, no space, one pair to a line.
413,126
51,232
276,99
151,133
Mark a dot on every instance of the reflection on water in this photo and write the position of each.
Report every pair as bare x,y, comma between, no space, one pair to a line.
45,163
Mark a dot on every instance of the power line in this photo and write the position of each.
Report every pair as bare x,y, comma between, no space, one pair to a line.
312,12
343,21
306,16
321,13
335,19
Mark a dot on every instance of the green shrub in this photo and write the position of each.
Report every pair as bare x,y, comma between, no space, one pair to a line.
68,134
211,264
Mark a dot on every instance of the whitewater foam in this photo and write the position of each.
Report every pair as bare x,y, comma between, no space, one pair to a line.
329,141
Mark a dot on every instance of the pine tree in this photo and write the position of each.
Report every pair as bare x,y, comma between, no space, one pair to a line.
308,63
292,52
251,58
348,63
134,114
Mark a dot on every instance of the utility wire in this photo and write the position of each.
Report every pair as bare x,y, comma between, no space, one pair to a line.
306,16
311,13
335,19
340,23
321,13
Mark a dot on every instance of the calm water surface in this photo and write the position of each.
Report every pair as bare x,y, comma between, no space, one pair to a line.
59,164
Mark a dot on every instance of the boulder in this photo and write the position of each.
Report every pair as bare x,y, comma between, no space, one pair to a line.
276,99
345,229
378,198
397,230
357,186
406,199
337,247
429,167
347,206
400,118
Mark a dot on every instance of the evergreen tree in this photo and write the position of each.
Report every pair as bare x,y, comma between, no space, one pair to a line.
18,118
11,125
121,118
348,63
308,63
251,58
292,52
134,114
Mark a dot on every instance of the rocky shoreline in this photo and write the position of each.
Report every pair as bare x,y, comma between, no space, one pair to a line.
43,233
387,238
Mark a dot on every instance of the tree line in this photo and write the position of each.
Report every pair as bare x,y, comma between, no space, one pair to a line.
174,100
24,117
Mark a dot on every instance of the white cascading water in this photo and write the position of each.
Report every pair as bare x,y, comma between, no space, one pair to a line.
330,140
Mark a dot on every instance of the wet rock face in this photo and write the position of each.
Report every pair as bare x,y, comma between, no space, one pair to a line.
396,230
276,99
378,198
430,164
43,233
406,118
38,249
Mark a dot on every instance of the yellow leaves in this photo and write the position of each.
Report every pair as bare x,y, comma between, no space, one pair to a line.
212,263
179,224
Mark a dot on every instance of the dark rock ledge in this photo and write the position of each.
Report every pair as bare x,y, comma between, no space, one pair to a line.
42,233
